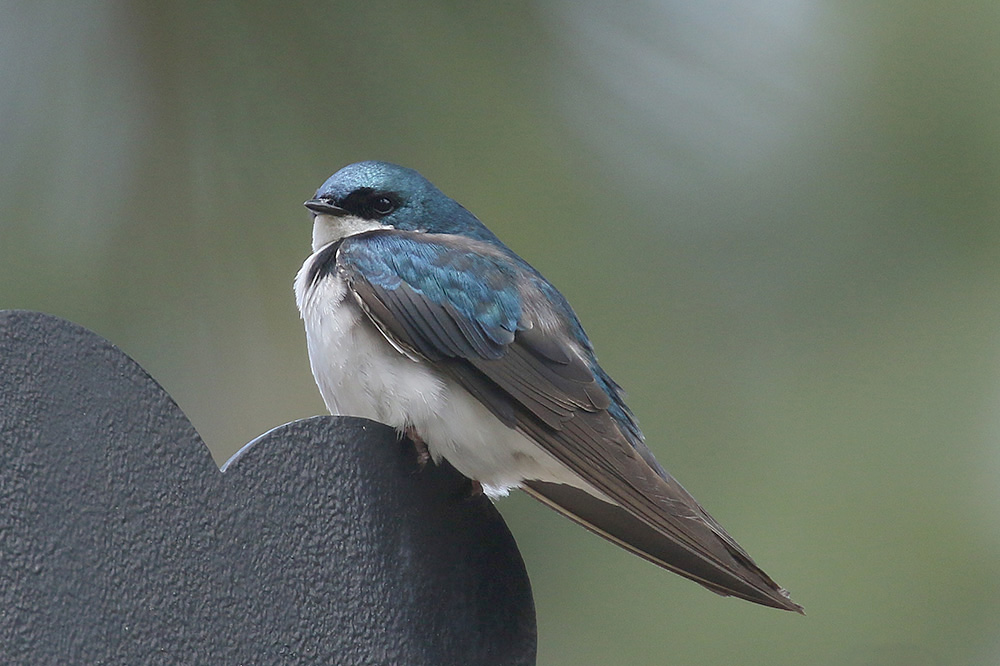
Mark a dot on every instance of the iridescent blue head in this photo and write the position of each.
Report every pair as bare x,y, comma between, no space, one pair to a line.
372,195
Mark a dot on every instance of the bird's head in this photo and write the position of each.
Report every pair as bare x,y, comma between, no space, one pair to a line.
366,196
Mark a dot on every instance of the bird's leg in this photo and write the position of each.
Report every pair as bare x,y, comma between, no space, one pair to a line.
475,489
423,455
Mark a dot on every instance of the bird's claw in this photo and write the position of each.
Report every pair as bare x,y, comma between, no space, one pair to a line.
423,454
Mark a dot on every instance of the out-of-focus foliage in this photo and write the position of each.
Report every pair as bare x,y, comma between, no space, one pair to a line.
778,221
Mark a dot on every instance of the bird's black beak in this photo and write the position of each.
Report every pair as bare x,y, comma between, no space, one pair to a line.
321,207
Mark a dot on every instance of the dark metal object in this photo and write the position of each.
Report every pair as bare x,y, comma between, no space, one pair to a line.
122,543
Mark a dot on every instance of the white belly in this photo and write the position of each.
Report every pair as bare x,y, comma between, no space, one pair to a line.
359,373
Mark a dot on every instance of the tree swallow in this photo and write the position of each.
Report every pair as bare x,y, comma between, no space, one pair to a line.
418,316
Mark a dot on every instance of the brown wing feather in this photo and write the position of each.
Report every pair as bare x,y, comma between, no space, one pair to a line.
622,528
542,387
655,516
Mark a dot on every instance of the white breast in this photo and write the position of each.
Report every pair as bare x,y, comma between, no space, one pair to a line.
359,373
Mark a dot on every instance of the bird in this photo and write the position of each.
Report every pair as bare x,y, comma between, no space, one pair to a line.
418,316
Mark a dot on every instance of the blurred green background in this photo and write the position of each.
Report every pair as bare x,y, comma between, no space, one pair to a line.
778,221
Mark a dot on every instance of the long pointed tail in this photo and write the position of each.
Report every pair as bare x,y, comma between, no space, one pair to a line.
740,578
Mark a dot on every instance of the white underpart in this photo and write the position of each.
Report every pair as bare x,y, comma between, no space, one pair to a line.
359,373
330,228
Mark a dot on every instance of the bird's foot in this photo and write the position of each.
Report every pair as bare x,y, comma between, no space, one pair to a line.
423,454
474,489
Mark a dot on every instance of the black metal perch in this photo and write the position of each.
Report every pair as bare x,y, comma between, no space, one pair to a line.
121,542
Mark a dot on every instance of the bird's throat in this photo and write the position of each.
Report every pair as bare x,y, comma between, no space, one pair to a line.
330,228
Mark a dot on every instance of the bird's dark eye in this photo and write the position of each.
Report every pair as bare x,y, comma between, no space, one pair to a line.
383,205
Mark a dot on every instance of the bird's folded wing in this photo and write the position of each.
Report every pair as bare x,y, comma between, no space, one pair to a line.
477,313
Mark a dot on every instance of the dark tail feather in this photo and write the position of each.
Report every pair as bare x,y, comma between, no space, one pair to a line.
742,579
